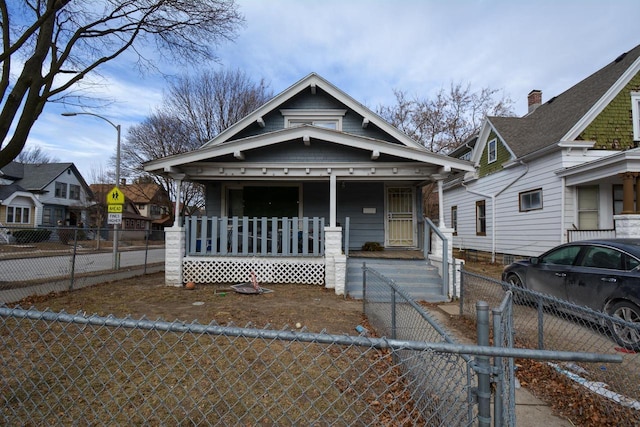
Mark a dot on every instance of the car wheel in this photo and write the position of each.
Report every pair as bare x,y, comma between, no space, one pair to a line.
516,284
627,336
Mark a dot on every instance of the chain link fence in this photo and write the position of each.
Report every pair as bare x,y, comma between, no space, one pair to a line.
544,322
38,261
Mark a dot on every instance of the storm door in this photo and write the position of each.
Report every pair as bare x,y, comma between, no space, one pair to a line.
400,217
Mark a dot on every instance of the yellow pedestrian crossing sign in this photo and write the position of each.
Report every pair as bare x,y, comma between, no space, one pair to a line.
115,197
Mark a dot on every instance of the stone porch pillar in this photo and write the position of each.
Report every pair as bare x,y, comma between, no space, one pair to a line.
335,261
627,226
175,246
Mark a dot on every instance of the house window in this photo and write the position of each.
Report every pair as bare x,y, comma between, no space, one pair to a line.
492,151
531,200
454,219
51,216
74,192
588,202
481,218
18,215
635,114
330,119
61,190
618,198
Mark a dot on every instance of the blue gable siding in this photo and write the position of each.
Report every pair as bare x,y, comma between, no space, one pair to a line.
351,121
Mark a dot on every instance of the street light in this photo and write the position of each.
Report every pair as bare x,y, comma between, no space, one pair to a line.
116,260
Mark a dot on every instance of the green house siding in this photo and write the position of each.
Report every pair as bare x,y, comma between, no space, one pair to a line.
613,128
502,156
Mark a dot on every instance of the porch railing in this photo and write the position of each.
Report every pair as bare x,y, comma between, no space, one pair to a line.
576,235
244,236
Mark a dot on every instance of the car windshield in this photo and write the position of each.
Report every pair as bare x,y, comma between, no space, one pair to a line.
565,255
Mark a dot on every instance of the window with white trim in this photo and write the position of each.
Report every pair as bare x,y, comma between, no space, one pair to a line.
61,190
18,215
531,200
588,202
635,114
492,150
330,118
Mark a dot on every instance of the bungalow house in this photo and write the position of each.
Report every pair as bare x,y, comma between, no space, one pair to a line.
568,170
295,185
49,194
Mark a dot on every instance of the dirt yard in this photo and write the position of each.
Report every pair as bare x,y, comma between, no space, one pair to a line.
313,307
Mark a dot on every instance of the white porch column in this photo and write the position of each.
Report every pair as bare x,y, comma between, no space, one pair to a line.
332,200
178,177
174,253
335,261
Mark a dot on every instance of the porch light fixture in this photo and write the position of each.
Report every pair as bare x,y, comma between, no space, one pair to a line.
116,259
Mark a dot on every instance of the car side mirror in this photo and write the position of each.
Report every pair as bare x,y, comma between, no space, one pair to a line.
534,260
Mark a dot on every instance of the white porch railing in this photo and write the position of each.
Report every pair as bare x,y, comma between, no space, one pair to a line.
244,236
576,235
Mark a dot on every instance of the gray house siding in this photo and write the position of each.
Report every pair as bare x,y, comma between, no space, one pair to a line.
363,227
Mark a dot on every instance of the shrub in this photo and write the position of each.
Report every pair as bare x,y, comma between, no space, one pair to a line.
372,247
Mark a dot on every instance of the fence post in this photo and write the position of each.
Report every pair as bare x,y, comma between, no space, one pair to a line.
393,314
461,289
483,366
73,257
146,250
497,364
364,287
540,307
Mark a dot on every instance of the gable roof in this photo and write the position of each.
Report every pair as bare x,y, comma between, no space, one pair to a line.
563,117
233,142
35,177
312,82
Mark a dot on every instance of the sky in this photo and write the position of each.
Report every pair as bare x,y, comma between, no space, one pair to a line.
368,49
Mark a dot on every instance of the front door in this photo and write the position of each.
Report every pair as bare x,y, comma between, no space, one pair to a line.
400,217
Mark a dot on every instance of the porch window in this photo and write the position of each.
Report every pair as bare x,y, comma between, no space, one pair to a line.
454,219
61,190
51,216
635,114
481,218
588,202
18,215
263,201
531,200
330,118
492,151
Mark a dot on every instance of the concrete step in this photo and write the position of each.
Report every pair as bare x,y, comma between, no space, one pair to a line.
418,278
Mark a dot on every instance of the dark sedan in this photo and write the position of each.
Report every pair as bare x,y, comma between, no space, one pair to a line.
603,275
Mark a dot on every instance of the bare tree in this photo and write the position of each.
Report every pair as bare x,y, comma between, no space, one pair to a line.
49,46
35,156
195,110
211,101
445,121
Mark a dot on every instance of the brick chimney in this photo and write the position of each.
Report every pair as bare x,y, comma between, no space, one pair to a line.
534,100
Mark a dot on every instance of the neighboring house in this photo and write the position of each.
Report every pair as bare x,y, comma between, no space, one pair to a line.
294,185
568,170
49,194
138,215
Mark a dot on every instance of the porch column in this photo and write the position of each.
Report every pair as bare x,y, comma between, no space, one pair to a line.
335,262
178,177
174,253
332,200
441,220
628,179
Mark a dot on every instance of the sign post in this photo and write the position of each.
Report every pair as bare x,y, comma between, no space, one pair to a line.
115,203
